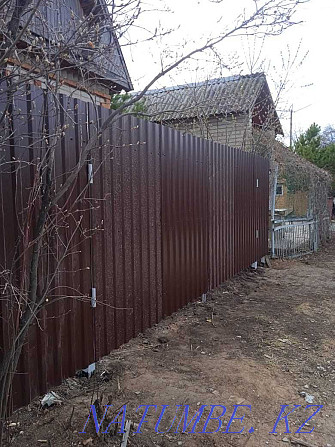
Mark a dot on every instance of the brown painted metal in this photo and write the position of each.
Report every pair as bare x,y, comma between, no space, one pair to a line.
127,249
167,218
212,210
184,218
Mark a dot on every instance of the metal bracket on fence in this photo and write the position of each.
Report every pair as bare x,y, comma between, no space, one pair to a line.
257,234
90,173
94,297
257,183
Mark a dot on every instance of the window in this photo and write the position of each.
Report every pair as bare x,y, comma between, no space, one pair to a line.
279,190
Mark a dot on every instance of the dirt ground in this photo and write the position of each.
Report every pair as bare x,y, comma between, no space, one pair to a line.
263,339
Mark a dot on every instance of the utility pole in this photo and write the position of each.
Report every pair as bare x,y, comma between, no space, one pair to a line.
291,127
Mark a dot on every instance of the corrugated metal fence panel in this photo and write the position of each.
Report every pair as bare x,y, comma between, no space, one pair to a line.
61,338
9,221
220,212
184,219
234,219
167,218
127,242
76,325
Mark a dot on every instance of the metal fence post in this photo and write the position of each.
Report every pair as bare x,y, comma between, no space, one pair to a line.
272,238
316,237
273,208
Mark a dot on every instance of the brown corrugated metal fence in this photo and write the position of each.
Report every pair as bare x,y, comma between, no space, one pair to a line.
167,218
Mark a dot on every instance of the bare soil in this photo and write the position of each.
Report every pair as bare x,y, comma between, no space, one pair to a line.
261,340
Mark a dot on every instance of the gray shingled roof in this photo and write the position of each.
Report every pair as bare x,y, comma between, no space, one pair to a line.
233,94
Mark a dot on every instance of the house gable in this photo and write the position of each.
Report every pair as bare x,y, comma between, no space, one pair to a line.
227,110
264,114
57,21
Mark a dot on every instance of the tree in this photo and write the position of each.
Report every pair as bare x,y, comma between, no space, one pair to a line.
308,143
25,58
318,148
328,136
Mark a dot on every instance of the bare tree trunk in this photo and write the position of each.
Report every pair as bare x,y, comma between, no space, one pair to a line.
11,358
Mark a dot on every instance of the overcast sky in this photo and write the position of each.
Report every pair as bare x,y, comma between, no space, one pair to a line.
310,85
